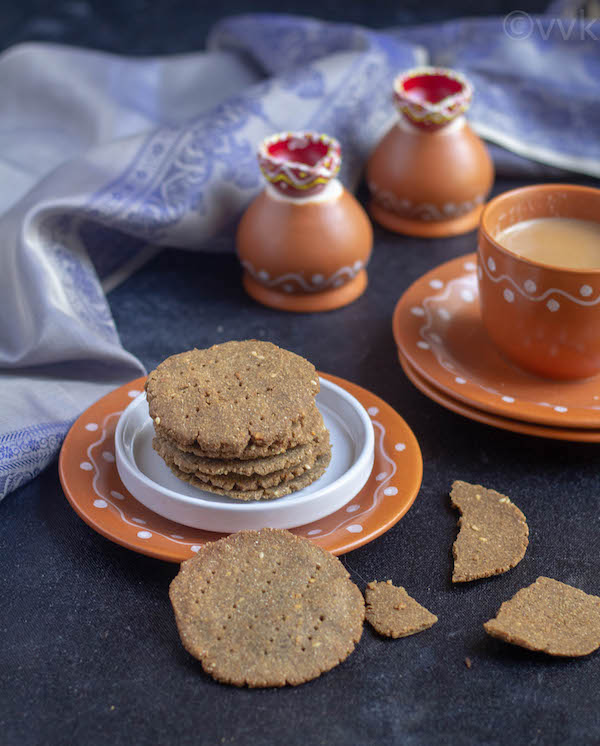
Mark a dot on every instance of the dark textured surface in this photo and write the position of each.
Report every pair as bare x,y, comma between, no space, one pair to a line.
140,27
89,650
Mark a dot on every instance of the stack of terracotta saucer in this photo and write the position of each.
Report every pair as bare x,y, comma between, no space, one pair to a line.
446,352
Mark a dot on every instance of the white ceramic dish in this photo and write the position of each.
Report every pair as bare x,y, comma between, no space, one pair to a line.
151,482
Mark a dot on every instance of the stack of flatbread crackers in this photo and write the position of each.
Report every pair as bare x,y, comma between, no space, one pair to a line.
239,419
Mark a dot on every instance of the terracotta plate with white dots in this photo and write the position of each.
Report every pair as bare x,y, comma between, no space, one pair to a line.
437,327
573,434
153,484
92,485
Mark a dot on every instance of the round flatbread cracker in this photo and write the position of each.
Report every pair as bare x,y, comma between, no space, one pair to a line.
266,608
302,433
234,397
192,463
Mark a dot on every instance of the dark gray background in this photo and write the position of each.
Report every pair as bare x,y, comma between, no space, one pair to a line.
89,653
168,26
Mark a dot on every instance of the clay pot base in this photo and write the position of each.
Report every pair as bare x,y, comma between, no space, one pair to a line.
426,229
325,300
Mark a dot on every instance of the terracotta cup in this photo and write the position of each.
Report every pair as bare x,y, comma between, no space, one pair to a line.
544,318
305,241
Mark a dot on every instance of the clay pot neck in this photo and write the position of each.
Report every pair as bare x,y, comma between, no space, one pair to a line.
299,164
430,98
407,125
330,192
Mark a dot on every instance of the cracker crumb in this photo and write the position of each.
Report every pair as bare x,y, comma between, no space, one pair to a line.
468,663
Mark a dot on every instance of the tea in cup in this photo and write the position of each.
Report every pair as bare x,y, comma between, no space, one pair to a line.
539,278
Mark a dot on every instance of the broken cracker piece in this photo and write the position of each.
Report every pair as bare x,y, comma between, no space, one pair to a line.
493,533
393,613
550,617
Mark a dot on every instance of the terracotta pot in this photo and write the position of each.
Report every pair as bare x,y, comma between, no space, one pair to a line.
544,318
430,175
305,241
